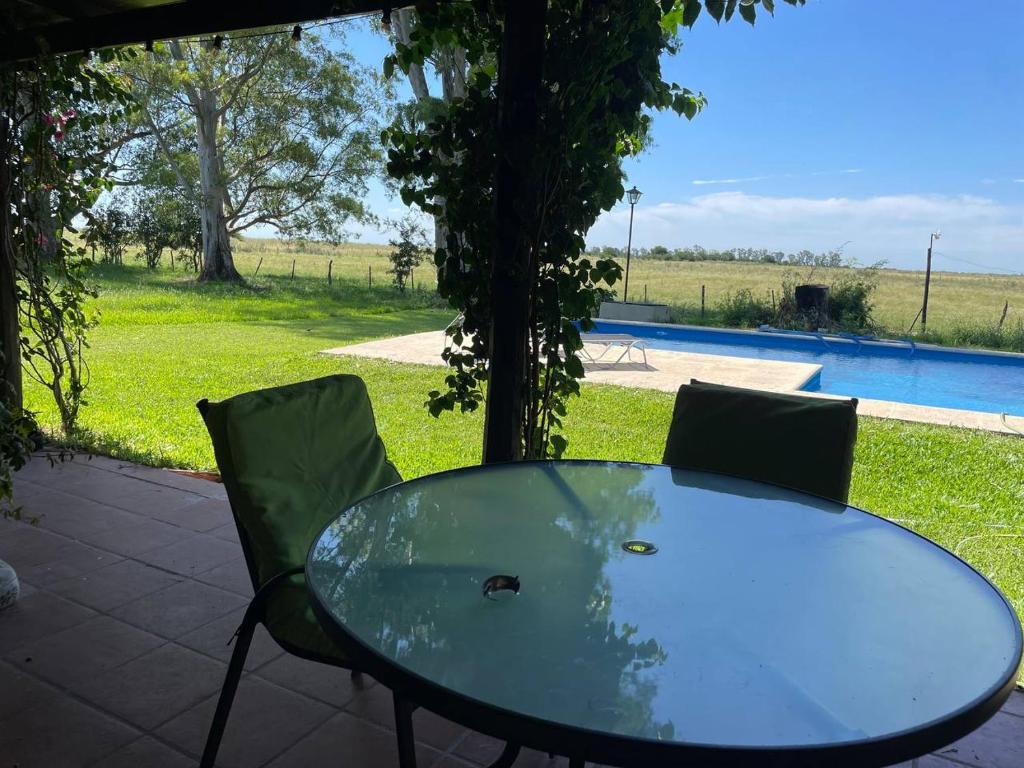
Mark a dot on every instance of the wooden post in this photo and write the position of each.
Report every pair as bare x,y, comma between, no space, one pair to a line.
293,269
330,266
773,300
172,261
412,279
260,264
10,325
702,302
1002,318
520,72
369,276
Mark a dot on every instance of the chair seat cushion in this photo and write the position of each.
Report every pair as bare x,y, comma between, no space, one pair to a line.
797,441
291,622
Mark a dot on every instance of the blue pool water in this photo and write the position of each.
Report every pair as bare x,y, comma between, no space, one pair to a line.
921,374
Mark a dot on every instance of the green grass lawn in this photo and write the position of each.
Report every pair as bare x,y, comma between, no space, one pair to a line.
165,343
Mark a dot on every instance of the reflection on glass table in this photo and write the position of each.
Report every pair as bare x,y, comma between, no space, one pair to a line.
765,626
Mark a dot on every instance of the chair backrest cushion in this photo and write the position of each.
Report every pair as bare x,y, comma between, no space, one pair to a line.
804,443
292,458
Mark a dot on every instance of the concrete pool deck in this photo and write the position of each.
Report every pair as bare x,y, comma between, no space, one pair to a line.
667,370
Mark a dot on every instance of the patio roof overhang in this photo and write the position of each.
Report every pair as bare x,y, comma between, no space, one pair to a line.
40,27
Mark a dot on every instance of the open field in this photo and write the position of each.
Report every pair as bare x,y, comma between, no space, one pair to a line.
165,342
955,298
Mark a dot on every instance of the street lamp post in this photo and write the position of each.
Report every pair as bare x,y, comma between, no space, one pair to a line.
633,195
927,280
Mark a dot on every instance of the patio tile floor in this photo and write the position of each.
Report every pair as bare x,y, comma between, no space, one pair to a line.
132,584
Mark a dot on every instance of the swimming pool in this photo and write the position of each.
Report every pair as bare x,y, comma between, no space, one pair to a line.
879,370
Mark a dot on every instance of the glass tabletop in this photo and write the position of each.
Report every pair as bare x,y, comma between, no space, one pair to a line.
765,617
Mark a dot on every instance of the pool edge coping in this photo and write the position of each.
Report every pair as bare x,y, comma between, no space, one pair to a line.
810,335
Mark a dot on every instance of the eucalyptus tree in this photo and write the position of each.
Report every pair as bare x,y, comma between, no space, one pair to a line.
599,74
261,129
448,67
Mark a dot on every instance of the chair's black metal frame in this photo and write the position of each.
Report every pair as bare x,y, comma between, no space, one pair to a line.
581,745
255,614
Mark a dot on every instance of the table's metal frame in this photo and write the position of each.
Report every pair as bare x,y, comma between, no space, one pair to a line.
580,744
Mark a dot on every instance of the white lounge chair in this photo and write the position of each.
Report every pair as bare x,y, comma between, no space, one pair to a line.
611,341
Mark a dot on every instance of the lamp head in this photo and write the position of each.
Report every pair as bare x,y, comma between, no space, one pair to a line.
633,195
936,235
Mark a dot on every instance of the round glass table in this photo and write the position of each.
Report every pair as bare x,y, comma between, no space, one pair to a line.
649,615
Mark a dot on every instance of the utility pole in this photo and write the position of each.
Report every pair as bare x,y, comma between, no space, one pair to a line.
633,196
927,281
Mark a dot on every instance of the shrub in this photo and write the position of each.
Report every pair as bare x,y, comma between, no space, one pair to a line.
848,309
1009,337
109,230
19,436
743,310
408,252
167,220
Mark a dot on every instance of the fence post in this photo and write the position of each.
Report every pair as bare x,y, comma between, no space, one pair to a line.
293,269
330,265
773,300
369,276
258,267
1002,318
702,301
645,293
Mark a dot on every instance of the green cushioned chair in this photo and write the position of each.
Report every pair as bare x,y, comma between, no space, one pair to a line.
291,459
804,443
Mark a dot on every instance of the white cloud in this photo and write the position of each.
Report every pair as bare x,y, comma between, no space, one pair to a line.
893,228
701,182
741,179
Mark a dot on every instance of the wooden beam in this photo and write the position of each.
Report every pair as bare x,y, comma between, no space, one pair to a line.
170,20
520,72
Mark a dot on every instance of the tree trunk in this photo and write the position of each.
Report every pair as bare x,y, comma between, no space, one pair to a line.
520,75
218,262
10,326
451,65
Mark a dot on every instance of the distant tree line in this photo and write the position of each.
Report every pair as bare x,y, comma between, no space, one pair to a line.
804,258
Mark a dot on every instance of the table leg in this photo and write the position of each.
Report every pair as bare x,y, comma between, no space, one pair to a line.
404,732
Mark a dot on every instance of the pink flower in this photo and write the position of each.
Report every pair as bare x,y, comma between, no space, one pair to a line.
58,134
41,239
69,114
48,119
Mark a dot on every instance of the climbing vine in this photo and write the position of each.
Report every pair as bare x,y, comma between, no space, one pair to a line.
602,78
59,118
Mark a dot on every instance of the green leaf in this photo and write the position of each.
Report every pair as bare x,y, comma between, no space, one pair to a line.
389,66
730,9
749,13
716,8
769,5
691,11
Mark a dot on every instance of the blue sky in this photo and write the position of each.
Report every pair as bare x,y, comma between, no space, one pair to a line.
867,121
